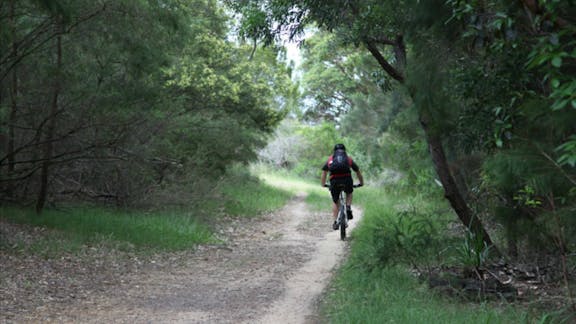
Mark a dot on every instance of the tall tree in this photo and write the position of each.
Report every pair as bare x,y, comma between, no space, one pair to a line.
130,98
380,28
48,138
13,93
528,66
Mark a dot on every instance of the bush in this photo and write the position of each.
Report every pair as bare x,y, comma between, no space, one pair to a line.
395,234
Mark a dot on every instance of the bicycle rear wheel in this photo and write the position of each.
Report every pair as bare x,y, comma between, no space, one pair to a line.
343,225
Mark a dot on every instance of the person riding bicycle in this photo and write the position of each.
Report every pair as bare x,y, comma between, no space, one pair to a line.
340,166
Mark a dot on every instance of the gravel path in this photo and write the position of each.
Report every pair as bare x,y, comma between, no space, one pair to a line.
271,270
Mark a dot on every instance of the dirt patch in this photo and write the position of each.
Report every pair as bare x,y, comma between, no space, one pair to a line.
270,270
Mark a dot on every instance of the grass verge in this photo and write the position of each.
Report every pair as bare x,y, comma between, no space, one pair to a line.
154,231
397,235
247,196
242,195
392,295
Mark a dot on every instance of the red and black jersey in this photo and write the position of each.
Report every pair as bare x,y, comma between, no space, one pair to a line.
343,173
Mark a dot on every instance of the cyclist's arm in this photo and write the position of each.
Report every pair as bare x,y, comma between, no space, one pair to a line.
358,173
360,177
323,178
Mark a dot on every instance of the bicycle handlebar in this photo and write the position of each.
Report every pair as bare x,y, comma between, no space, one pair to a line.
354,186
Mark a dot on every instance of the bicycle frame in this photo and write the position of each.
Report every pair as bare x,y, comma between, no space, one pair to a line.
342,218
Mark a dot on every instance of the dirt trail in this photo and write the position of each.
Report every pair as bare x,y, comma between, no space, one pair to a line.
303,287
271,270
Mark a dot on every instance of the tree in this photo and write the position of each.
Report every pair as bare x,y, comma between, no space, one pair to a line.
344,84
380,28
527,171
328,79
49,136
118,101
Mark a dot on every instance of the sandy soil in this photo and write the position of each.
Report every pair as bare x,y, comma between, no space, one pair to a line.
271,270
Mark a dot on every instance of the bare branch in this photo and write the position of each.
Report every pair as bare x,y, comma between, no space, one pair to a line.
395,74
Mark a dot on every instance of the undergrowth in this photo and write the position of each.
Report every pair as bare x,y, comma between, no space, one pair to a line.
399,237
156,230
393,295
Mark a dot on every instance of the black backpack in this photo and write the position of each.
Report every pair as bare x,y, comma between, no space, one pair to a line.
339,162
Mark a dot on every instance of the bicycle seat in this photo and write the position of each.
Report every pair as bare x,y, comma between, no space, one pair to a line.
340,186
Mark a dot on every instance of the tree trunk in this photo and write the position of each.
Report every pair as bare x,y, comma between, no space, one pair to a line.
436,148
49,138
13,103
451,191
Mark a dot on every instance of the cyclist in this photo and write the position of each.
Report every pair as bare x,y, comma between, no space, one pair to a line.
340,166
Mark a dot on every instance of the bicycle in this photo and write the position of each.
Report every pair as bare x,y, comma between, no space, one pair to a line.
342,219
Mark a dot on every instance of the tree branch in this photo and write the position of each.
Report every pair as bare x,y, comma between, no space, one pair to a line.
382,41
395,74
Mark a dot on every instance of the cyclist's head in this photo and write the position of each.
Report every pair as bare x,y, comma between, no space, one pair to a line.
339,147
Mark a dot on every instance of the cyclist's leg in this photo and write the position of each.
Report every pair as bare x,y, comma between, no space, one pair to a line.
335,192
349,189
335,207
349,199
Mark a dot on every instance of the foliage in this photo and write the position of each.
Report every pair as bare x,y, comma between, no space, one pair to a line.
404,240
335,78
507,121
395,232
283,150
302,148
473,252
568,152
523,179
152,99
156,229
358,297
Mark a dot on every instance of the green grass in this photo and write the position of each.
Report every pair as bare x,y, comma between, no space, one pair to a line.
246,196
375,284
153,231
392,295
171,230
